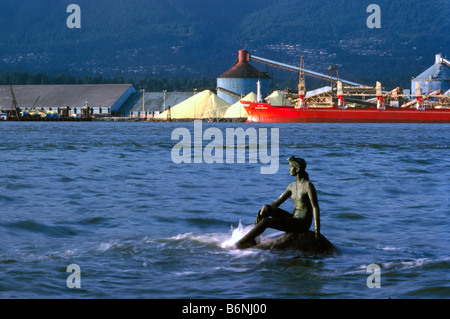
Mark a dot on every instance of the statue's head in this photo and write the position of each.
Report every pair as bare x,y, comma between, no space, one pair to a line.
297,165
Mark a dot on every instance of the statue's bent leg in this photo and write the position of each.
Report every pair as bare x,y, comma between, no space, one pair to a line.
271,211
286,224
249,239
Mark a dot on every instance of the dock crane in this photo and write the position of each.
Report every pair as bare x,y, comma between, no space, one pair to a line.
14,108
301,85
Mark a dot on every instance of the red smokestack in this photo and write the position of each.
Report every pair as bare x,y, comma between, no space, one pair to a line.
244,56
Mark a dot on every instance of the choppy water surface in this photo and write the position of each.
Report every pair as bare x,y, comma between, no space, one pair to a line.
108,197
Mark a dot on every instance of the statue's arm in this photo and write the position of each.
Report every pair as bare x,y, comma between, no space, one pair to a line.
315,205
283,197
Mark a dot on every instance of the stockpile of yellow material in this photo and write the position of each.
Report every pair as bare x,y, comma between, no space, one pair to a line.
277,99
202,105
237,110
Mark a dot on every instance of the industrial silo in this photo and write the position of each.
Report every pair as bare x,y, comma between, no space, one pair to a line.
436,77
241,80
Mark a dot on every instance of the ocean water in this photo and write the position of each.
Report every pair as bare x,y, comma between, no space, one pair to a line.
109,198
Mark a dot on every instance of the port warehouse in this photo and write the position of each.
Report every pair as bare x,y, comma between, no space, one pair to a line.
124,100
102,99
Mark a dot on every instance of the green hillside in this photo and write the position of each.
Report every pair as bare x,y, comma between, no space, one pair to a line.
195,38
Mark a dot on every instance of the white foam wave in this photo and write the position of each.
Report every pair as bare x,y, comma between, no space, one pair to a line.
398,265
184,273
407,264
390,248
236,234
209,238
222,240
107,246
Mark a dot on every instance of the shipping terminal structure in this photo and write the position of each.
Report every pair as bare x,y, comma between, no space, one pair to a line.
341,100
346,101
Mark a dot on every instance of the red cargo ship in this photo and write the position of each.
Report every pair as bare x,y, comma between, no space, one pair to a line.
329,105
266,113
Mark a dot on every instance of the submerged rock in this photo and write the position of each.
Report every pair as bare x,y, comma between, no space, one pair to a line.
305,242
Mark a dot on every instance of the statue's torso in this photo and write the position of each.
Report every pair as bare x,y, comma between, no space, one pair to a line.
302,203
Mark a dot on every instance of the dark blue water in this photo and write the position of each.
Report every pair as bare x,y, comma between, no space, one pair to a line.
108,197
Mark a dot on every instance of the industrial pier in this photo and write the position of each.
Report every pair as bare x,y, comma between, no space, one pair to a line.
242,82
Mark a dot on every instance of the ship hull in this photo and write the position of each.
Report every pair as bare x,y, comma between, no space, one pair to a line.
266,113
